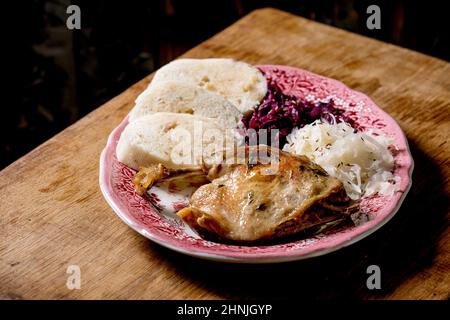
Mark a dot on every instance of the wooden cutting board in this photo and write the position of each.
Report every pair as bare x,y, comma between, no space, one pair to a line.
53,214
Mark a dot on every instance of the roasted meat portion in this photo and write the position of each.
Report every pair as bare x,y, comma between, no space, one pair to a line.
249,201
146,177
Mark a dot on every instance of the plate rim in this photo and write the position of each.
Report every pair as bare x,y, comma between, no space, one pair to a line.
106,189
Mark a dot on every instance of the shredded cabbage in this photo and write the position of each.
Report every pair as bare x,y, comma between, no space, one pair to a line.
285,112
361,160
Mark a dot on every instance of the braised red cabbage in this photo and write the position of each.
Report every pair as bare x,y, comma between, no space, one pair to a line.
284,112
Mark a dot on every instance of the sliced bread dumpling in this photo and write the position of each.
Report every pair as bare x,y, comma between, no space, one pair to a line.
242,84
175,140
185,97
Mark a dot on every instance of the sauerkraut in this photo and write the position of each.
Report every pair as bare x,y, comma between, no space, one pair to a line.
361,160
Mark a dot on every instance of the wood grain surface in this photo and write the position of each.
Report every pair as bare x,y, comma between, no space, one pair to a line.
53,214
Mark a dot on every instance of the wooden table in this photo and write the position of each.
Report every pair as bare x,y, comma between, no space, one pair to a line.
53,214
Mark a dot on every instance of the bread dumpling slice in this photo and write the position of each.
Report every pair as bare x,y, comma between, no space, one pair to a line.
242,84
185,97
176,140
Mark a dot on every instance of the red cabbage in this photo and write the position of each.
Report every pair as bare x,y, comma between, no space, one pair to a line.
284,112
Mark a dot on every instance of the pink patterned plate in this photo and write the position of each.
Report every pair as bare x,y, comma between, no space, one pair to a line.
154,216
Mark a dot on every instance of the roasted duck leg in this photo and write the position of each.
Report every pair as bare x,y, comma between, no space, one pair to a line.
249,203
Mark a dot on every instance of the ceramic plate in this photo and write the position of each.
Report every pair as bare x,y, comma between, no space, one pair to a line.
154,215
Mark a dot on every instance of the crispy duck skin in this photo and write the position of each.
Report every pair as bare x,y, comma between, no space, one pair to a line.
249,203
146,177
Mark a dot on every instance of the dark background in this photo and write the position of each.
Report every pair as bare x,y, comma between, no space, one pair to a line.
62,75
